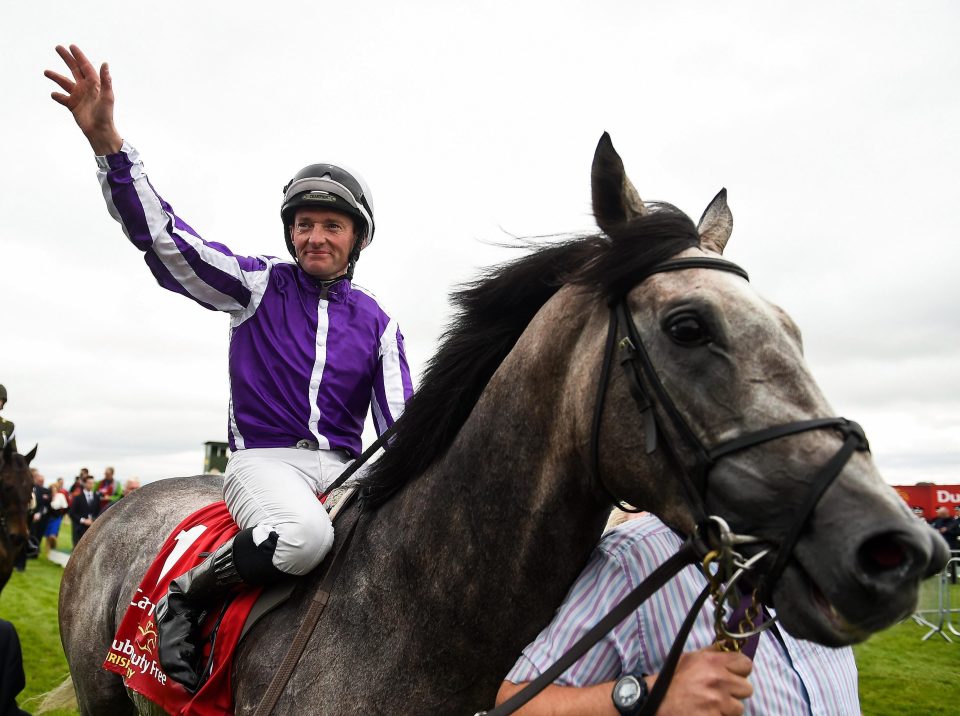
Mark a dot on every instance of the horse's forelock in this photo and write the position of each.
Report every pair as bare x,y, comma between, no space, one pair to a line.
635,246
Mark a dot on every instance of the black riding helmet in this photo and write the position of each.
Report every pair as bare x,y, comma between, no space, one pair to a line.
328,186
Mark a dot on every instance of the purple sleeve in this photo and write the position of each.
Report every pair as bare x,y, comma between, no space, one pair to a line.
392,386
179,259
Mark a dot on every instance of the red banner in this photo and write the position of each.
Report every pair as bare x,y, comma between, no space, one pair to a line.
929,497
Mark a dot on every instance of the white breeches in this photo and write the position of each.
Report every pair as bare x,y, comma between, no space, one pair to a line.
275,490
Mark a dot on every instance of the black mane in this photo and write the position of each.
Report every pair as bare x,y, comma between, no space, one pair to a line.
493,311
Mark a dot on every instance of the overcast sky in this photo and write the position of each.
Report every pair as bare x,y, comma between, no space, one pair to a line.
834,127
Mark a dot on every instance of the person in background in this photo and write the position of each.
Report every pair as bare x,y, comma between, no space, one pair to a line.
109,489
77,487
84,509
41,513
12,678
949,528
59,504
7,428
130,485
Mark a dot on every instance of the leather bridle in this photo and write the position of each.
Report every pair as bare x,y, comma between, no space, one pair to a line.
656,405
711,541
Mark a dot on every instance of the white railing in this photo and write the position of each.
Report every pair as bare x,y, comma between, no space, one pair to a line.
934,610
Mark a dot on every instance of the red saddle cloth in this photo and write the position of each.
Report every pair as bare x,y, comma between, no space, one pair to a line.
133,653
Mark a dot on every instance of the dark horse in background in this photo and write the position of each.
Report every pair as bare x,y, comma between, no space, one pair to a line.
483,511
16,482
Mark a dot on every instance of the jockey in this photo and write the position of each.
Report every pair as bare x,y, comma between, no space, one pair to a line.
309,350
8,430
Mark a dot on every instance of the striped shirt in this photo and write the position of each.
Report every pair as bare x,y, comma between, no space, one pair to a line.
795,677
302,366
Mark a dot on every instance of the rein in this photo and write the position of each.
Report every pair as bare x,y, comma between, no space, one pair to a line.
712,541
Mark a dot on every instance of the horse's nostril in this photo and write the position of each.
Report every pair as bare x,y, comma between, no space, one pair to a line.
882,554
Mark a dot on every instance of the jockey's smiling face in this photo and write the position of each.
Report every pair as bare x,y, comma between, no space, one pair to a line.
322,239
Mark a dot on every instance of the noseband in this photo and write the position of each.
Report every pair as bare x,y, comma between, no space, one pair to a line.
655,405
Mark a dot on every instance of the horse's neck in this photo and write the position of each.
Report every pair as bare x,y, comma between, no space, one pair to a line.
505,520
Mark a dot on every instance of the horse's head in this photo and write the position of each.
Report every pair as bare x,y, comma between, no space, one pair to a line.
847,555
15,485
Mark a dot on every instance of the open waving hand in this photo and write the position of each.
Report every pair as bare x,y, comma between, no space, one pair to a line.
89,97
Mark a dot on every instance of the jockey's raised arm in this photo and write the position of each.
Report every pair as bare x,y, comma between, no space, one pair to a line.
179,259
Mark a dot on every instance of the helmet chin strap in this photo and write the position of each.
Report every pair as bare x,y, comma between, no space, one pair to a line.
354,256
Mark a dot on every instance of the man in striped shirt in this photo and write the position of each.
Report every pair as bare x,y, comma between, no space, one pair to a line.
788,676
309,351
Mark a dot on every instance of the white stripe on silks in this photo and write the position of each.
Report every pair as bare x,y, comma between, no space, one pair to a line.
234,430
257,283
319,363
369,293
378,419
392,375
107,191
238,440
175,262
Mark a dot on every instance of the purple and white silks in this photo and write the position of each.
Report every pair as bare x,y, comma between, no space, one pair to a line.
301,367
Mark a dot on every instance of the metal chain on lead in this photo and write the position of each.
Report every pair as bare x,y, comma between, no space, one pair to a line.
713,567
724,566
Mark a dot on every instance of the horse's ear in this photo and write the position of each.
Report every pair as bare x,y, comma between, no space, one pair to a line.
8,452
32,454
716,224
615,200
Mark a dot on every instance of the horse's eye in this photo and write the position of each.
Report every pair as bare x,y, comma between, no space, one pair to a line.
688,330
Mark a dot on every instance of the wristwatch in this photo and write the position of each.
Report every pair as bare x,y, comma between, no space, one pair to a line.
630,694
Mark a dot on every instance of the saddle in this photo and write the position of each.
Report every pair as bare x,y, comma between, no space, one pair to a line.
133,652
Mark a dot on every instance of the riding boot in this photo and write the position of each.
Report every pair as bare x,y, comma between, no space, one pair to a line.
180,613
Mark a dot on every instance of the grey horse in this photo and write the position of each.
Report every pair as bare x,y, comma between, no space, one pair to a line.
484,509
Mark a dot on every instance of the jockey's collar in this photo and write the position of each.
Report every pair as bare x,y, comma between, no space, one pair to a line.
335,289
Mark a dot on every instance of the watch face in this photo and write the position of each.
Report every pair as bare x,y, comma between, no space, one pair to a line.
627,691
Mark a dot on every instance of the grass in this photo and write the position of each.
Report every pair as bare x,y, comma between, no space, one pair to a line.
30,601
899,673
